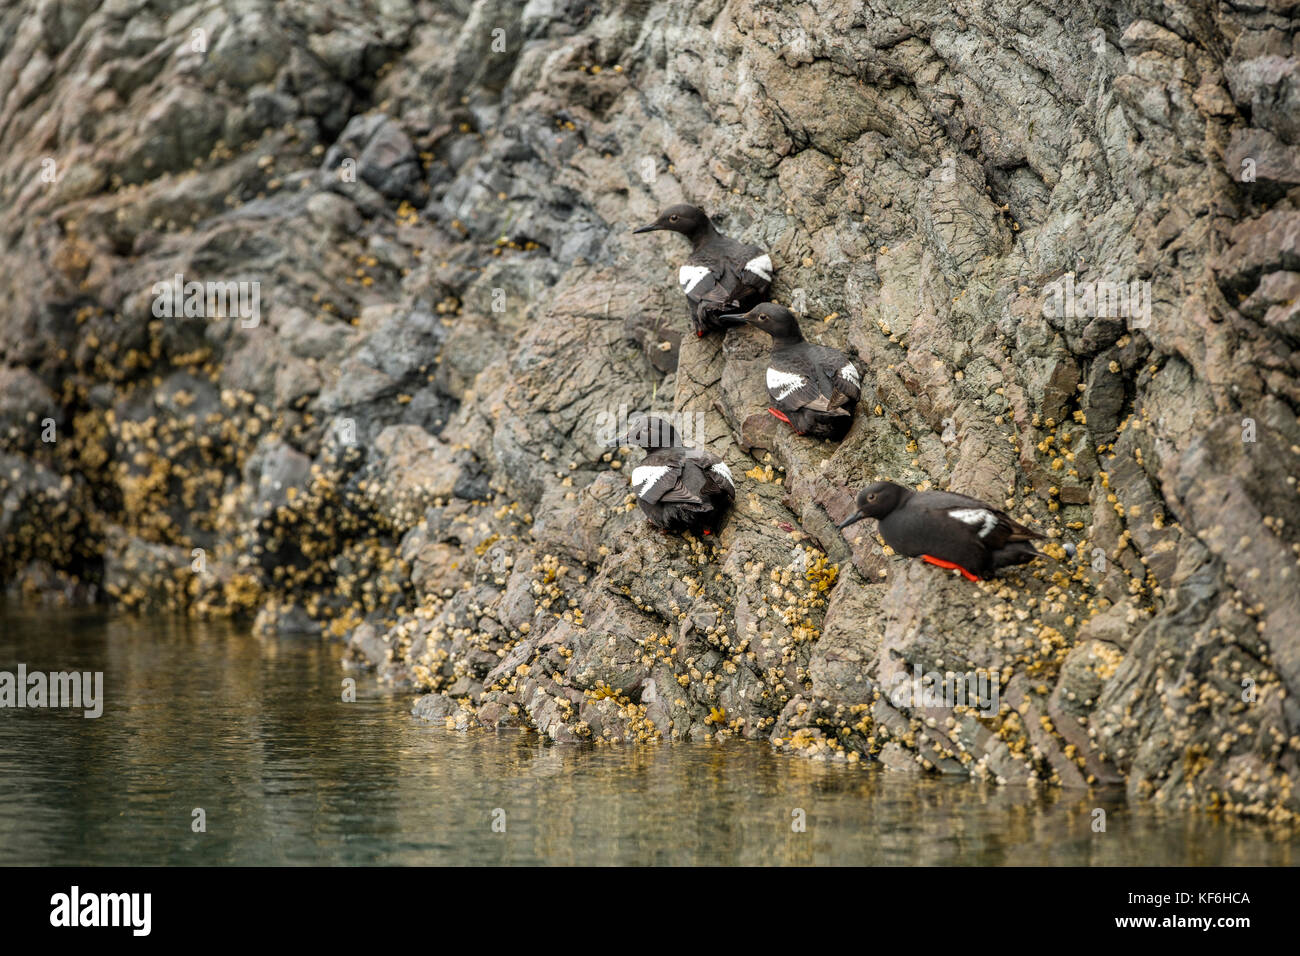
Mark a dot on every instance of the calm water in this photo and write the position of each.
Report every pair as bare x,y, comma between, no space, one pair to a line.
255,732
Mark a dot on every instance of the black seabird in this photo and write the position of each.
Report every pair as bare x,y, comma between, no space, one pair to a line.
815,387
678,488
945,529
720,275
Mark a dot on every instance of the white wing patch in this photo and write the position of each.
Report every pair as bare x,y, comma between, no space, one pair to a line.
974,516
723,472
783,383
690,276
761,266
850,374
647,475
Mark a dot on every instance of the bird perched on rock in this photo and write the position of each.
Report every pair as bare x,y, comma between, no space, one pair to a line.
815,387
678,488
720,275
945,529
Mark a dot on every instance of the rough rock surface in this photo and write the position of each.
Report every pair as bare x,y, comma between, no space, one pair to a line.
403,445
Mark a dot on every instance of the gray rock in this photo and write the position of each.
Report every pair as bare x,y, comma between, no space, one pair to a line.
444,336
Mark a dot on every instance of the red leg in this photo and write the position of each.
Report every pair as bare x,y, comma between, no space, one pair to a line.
781,416
784,419
940,563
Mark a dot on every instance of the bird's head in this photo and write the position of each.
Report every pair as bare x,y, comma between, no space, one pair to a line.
875,501
690,221
776,320
649,432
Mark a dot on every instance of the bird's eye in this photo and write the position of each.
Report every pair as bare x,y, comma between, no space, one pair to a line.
673,218
871,497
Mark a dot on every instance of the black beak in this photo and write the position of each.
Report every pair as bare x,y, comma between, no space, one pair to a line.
650,228
733,319
851,519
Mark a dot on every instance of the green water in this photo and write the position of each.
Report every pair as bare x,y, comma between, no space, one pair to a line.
255,732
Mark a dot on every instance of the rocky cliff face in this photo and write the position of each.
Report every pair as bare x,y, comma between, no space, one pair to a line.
320,312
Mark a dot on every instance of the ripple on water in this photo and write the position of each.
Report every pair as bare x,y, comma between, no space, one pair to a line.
204,715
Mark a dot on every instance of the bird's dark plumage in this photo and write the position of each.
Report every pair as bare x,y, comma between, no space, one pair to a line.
678,488
945,528
814,388
720,275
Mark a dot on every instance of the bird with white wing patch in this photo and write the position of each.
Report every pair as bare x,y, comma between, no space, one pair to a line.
814,388
678,488
721,274
945,529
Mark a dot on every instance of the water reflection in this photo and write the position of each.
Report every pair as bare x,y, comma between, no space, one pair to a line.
256,734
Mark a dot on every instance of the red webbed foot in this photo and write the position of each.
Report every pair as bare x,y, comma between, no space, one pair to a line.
940,563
